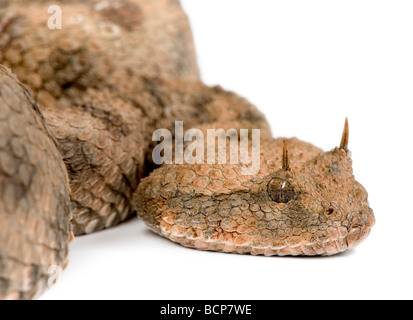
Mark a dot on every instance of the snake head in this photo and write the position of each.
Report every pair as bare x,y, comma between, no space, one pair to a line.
309,205
322,208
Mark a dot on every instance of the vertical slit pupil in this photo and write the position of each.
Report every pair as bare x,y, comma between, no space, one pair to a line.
281,191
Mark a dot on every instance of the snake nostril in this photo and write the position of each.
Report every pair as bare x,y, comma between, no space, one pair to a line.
330,211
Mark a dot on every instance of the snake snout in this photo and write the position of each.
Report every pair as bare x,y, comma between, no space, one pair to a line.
360,228
356,235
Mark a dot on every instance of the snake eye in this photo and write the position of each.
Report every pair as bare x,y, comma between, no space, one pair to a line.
281,191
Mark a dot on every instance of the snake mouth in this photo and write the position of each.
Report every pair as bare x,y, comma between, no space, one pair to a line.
330,242
338,240
325,242
341,240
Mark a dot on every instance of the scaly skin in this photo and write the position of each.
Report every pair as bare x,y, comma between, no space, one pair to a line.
314,208
34,196
104,124
119,70
105,140
101,42
95,81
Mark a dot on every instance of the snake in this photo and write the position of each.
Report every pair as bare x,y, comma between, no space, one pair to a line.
79,106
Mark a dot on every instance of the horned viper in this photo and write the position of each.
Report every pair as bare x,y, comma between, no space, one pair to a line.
117,71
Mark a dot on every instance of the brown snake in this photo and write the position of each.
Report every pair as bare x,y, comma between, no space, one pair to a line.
115,73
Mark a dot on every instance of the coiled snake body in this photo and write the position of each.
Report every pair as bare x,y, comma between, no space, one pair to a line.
116,72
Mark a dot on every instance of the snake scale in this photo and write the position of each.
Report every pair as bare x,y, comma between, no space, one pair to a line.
76,146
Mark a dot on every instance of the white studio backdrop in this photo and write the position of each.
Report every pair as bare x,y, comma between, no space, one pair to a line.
306,65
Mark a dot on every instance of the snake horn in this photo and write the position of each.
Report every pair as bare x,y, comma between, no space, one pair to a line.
346,136
286,158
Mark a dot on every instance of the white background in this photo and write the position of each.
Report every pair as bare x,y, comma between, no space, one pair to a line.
307,65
